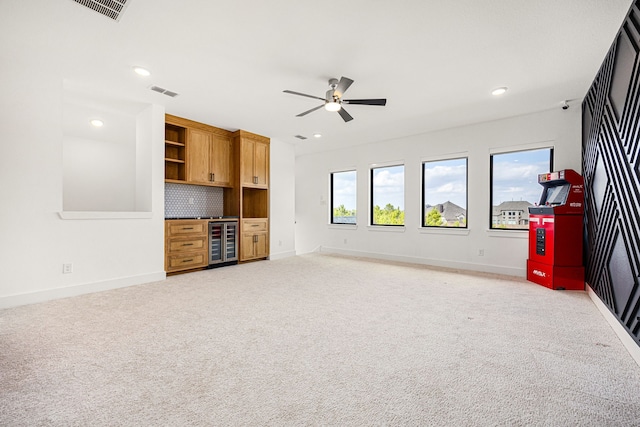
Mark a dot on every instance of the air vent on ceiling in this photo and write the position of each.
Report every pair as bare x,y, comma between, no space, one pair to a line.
300,137
163,91
110,8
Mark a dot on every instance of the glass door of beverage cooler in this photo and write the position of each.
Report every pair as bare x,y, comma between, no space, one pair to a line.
223,246
216,240
231,238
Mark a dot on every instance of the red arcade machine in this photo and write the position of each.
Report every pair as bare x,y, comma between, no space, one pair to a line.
555,232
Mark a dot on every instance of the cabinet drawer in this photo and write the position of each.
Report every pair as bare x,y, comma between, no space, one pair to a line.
179,262
181,228
258,224
186,244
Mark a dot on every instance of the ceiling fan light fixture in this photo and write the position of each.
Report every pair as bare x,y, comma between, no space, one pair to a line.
332,106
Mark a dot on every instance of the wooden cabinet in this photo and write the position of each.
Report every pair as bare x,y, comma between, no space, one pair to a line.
200,154
196,153
186,245
255,239
209,158
252,159
254,162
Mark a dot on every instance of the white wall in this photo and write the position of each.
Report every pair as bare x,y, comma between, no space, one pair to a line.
282,203
504,251
105,253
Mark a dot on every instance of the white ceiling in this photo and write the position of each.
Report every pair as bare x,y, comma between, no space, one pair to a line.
434,61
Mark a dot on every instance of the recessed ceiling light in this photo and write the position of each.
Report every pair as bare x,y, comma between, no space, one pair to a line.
499,91
317,135
142,71
97,123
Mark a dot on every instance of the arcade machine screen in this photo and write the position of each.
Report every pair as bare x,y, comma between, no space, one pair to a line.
557,195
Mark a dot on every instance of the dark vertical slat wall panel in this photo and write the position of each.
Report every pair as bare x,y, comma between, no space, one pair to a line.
611,168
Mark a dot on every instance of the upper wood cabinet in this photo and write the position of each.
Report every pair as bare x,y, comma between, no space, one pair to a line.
254,161
196,153
209,158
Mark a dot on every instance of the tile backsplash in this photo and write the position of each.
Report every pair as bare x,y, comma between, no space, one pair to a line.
182,200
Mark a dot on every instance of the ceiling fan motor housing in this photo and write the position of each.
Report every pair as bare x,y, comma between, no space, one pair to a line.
331,96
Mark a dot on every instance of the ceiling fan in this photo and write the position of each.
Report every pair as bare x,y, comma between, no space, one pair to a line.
333,99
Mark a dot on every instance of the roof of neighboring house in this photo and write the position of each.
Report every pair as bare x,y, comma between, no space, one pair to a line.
450,211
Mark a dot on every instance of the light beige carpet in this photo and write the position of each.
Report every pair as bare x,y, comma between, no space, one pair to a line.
317,340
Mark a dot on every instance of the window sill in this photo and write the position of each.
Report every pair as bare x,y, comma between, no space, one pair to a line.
443,230
511,234
104,215
387,228
343,226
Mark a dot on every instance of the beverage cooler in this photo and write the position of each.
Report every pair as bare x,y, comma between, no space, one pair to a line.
556,232
223,243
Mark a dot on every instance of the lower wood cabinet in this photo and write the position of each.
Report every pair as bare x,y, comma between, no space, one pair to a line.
185,244
255,239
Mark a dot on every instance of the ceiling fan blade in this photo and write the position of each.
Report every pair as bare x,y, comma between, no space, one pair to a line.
345,116
380,102
303,94
310,111
343,85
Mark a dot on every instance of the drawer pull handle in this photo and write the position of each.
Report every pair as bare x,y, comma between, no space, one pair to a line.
187,260
187,244
255,225
187,228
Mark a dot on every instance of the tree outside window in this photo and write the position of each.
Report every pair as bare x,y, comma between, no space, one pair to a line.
343,197
387,195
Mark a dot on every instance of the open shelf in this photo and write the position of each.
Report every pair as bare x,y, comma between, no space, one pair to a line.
255,203
174,152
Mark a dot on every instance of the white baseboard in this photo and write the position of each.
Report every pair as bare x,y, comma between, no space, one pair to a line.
484,268
87,288
628,342
281,255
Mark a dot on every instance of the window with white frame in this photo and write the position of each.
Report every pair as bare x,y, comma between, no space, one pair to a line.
444,193
343,197
514,185
387,195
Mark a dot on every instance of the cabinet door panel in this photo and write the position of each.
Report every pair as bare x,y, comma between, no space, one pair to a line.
199,156
247,248
247,149
262,245
261,163
221,160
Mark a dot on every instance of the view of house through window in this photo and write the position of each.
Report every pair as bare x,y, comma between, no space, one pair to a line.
343,197
514,186
444,193
387,195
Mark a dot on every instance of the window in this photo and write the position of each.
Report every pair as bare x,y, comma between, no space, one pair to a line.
444,193
387,195
514,186
343,197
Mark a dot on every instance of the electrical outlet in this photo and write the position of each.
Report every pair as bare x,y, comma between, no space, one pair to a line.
345,241
190,200
480,252
67,268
